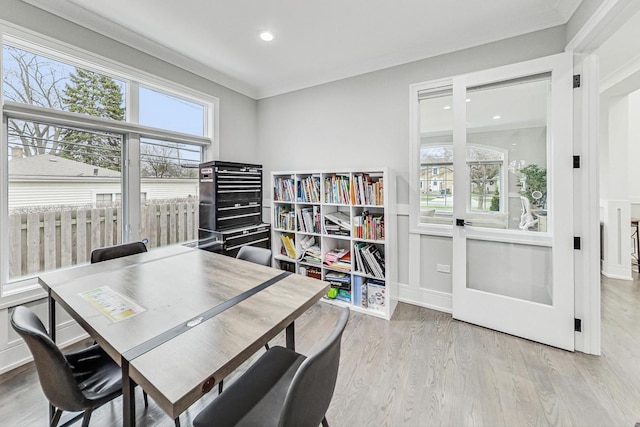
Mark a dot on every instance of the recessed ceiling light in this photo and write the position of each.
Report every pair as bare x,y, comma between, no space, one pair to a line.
447,107
496,117
266,36
468,100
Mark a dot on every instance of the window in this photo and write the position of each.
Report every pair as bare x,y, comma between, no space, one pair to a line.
34,79
71,178
169,112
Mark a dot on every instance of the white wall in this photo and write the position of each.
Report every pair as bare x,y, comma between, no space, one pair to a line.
363,121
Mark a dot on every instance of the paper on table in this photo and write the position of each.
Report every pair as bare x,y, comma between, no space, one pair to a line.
115,306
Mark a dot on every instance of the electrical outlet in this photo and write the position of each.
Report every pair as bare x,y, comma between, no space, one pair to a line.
443,268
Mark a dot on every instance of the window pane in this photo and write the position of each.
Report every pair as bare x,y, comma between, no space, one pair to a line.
169,191
168,112
34,79
61,182
436,156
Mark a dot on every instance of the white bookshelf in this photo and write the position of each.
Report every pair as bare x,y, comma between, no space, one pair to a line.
289,204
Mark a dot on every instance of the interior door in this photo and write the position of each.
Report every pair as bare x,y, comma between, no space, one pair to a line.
512,208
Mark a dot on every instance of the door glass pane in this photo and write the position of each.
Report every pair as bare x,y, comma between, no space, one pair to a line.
61,187
436,156
507,154
528,276
168,191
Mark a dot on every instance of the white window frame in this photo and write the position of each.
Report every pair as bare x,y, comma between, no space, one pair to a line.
27,289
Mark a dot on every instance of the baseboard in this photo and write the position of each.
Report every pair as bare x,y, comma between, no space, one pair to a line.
427,298
615,276
18,354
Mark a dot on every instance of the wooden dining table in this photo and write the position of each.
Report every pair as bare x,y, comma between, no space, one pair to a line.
178,320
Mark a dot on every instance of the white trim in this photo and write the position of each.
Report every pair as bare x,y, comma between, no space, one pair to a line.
586,33
427,298
23,38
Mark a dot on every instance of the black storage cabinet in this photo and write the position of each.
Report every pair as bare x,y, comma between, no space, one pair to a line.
231,207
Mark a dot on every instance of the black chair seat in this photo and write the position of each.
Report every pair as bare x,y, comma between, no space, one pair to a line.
99,377
80,381
264,385
281,389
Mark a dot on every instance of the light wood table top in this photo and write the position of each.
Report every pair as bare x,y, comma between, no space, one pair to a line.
173,363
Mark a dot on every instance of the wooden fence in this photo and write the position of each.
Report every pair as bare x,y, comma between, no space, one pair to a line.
43,241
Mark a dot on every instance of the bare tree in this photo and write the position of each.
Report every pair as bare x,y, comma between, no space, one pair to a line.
33,80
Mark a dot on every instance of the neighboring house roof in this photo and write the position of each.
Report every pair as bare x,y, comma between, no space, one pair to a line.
54,166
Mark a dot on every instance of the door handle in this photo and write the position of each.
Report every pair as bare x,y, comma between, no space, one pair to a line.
461,222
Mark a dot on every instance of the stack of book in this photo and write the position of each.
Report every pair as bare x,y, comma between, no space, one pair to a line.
337,223
369,260
339,259
341,282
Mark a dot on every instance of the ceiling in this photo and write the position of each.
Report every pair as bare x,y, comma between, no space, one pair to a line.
315,42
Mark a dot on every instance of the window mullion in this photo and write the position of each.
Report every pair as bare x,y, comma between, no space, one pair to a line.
131,189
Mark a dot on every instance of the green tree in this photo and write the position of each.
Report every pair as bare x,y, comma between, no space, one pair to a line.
99,96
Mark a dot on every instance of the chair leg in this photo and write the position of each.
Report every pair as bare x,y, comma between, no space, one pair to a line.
56,417
220,386
324,422
146,399
86,418
177,421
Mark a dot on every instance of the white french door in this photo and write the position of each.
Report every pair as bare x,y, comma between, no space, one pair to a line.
512,232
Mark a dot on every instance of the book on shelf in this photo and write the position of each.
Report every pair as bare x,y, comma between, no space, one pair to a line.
283,189
309,189
339,259
368,226
284,218
309,219
376,295
336,189
289,245
367,191
369,259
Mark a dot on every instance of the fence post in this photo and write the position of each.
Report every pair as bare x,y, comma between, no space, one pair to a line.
81,236
33,243
15,245
49,240
66,239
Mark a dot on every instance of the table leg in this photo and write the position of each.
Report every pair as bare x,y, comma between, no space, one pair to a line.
291,337
128,397
52,335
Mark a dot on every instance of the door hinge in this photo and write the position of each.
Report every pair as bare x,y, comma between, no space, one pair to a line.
577,242
576,80
576,162
577,325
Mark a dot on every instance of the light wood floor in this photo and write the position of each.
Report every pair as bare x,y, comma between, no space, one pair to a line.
425,369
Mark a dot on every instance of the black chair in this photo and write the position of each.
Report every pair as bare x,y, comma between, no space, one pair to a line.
255,254
283,388
80,381
117,251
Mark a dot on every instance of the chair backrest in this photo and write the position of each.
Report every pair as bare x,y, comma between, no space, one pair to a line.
56,378
312,387
117,251
255,254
